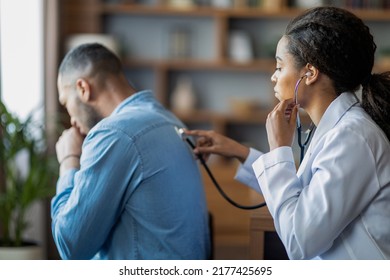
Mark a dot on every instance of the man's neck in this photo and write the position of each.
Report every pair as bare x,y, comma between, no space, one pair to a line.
114,94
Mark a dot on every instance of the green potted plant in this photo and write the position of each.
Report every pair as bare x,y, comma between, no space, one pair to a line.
26,173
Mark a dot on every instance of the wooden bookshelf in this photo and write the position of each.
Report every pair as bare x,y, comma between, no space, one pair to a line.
162,71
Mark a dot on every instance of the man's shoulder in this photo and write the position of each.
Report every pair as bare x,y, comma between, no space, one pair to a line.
132,120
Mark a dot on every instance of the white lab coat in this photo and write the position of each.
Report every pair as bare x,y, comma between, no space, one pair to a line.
337,206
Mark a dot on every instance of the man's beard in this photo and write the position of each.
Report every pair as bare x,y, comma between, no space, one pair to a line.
90,116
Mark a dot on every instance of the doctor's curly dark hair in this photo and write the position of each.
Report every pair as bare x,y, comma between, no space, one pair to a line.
341,46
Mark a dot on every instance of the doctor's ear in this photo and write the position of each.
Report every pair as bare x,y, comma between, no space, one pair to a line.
83,90
311,74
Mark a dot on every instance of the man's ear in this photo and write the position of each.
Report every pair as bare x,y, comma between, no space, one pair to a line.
83,90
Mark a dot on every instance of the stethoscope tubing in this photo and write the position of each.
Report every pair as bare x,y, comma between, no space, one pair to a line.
301,145
220,190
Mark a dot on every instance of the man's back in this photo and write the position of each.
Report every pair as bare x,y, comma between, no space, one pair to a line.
139,193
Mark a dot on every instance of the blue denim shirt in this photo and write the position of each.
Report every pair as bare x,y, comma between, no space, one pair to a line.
138,193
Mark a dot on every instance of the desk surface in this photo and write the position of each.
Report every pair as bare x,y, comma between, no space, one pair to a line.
260,222
261,219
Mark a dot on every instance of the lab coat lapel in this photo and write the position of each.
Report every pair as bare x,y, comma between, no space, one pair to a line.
331,117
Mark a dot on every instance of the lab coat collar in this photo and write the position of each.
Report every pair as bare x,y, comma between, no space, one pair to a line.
333,115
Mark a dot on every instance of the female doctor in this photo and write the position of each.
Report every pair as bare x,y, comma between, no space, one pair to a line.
337,205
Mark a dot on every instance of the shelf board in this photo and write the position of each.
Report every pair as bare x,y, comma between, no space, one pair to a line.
262,65
258,65
201,116
242,12
161,10
258,117
282,13
372,14
382,65
164,10
364,14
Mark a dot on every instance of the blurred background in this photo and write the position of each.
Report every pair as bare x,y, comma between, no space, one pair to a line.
209,61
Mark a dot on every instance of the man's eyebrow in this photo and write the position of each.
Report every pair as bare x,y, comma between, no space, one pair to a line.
278,58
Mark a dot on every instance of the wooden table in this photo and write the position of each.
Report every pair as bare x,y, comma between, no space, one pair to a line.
260,222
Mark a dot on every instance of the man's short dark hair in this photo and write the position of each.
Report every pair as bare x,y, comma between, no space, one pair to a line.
94,57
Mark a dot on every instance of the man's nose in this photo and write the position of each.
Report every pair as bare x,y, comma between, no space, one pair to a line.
73,122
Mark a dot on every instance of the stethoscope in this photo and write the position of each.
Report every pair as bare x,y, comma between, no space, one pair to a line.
184,137
309,132
302,146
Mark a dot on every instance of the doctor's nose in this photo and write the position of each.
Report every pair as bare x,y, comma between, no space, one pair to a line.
273,77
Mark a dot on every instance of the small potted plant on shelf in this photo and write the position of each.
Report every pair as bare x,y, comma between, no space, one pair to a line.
26,172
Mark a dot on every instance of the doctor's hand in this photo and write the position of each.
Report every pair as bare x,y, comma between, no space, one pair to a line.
281,124
209,142
68,149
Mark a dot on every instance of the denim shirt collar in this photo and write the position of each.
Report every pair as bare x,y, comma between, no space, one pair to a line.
135,99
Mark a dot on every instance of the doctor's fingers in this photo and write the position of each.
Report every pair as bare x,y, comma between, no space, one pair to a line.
204,137
293,116
208,134
276,115
204,141
221,146
283,109
211,142
285,105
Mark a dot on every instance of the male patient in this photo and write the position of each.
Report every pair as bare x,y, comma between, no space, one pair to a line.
129,187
